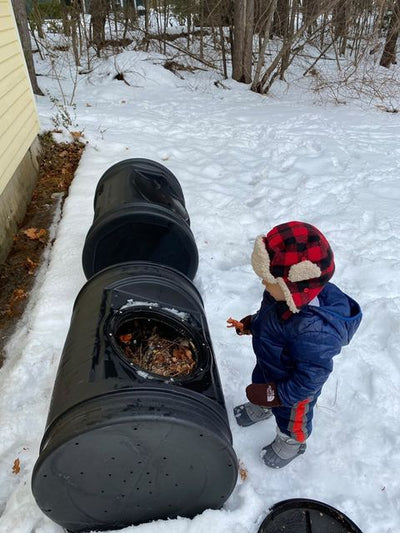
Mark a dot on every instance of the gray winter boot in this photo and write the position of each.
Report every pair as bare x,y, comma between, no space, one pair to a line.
248,413
282,450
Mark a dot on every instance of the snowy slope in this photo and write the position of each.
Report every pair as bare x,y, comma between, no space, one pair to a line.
245,163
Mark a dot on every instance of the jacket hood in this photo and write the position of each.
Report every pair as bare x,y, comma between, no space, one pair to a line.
341,312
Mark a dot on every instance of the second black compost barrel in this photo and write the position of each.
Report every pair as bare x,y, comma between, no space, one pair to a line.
139,214
123,443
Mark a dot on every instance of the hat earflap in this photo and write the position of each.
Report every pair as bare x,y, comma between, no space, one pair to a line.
288,295
260,260
301,271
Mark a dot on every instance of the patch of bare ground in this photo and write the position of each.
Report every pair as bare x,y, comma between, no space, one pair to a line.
57,166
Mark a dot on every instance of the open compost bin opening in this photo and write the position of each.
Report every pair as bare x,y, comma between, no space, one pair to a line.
157,347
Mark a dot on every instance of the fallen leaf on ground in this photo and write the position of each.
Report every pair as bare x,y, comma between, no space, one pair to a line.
242,472
77,134
19,294
16,467
36,234
31,265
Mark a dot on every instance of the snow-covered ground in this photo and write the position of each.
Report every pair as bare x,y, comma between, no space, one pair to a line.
245,163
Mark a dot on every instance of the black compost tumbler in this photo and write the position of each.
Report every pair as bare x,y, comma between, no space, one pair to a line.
139,214
123,445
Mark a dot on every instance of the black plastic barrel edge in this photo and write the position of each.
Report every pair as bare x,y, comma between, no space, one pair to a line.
139,214
99,395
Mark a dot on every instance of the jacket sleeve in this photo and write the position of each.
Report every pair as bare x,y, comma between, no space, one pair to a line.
311,354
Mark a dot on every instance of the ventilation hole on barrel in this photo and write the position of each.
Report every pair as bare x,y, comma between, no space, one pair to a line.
122,495
164,458
48,510
76,443
131,472
166,475
201,434
150,492
137,488
148,473
102,491
134,429
81,473
149,482
139,462
176,485
106,511
124,481
113,458
109,475
44,475
229,464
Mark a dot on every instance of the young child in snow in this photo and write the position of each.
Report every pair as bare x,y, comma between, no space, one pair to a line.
302,323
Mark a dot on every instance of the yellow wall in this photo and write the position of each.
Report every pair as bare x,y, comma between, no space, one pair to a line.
18,117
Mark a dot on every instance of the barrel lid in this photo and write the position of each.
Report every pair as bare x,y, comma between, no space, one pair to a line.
300,515
133,457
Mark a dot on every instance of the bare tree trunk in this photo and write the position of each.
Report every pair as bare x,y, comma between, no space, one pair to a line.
389,53
310,10
37,19
98,10
281,18
201,17
75,22
243,40
288,33
265,82
146,23
23,30
340,25
261,56
130,17
223,50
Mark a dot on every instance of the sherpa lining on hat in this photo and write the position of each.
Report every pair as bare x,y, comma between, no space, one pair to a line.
260,262
296,264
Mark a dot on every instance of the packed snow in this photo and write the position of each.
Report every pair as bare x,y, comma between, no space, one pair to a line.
245,163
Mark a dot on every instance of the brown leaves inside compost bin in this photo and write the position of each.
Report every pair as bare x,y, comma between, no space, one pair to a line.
149,349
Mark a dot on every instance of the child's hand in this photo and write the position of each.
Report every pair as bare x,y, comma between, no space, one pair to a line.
242,326
265,394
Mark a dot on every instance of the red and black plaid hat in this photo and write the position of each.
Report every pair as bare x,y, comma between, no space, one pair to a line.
297,256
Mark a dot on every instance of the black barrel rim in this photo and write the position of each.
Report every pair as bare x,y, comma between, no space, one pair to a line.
154,464
160,218
141,270
302,515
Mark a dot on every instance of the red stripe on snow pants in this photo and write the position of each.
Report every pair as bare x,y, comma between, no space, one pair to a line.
296,421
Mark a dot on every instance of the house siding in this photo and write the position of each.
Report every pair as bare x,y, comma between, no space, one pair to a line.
18,117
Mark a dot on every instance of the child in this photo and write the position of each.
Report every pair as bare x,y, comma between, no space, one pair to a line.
302,323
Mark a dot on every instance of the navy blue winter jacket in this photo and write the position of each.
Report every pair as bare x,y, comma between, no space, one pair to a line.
297,353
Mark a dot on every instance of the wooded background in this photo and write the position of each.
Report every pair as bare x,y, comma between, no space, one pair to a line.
254,41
